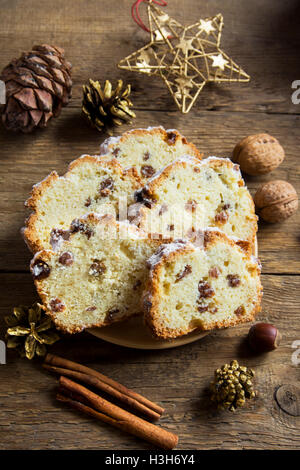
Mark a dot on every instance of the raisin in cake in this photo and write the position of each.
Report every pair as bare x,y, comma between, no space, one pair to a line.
148,150
188,195
96,275
191,287
90,185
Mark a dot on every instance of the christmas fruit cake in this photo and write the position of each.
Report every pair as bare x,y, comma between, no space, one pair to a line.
201,288
90,185
188,195
148,150
97,274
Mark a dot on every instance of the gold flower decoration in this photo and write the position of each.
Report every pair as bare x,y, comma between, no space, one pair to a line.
30,330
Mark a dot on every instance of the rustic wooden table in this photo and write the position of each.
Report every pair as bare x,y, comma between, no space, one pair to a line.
263,37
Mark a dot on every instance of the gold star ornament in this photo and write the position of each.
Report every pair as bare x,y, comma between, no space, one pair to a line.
185,57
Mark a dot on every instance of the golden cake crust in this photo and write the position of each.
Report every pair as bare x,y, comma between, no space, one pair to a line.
91,221
171,137
166,255
147,196
30,231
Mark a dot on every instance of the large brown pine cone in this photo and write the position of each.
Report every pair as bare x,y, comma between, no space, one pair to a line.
38,85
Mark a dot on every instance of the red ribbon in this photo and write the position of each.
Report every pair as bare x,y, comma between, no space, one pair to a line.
136,15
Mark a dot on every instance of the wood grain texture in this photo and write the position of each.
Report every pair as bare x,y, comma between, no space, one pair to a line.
262,37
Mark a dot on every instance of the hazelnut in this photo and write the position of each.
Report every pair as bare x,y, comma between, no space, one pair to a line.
275,201
258,154
263,337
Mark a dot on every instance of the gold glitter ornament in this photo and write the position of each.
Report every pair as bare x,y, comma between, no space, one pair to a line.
185,57
30,330
232,386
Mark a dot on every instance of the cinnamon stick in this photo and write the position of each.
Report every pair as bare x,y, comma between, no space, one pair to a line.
57,361
99,384
112,414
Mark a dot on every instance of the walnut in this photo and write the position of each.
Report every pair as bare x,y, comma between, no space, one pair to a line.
258,154
276,200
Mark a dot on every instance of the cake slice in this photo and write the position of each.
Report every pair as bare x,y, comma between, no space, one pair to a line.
201,287
90,185
188,195
148,150
96,275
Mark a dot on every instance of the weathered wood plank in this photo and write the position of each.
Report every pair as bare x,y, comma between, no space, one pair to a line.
255,36
264,39
27,392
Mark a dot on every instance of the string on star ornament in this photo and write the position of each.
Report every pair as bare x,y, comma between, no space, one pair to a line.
185,57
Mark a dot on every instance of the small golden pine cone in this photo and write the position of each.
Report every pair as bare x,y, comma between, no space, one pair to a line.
106,107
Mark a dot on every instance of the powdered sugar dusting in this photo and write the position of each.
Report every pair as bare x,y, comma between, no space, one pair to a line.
257,262
22,231
149,128
57,237
112,141
185,158
235,166
165,250
40,183
212,157
104,147
216,229
37,270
